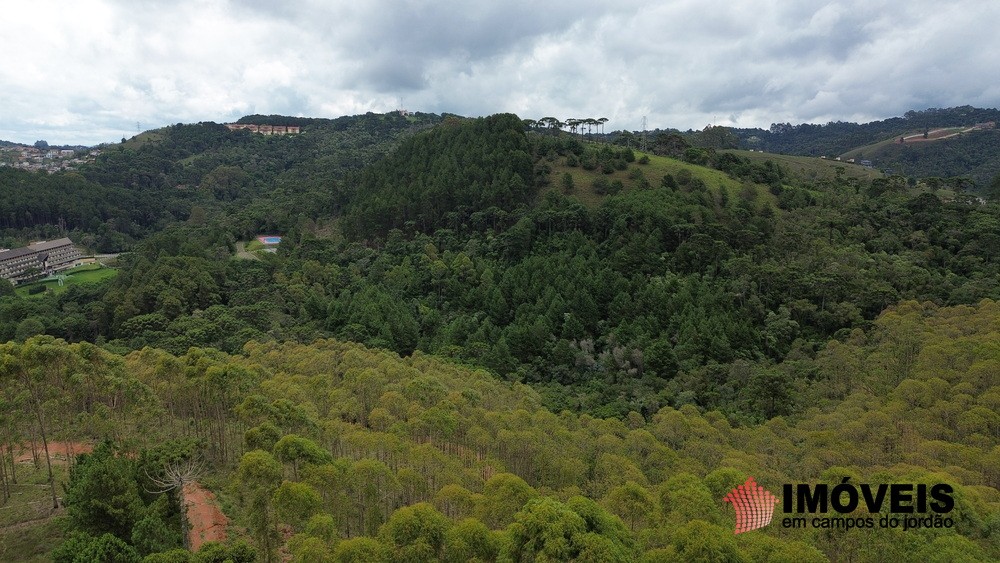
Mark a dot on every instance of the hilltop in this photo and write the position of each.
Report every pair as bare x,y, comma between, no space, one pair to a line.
839,137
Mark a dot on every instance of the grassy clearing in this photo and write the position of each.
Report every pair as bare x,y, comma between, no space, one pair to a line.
251,250
808,168
28,527
869,151
144,138
653,171
88,273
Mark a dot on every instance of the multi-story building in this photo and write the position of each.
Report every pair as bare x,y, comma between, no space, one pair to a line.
266,129
38,258
18,264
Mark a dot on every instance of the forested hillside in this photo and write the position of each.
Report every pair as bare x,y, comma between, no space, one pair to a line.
340,452
190,172
645,300
504,343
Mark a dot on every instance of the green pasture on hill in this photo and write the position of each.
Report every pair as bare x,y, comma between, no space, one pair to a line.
87,273
810,168
653,171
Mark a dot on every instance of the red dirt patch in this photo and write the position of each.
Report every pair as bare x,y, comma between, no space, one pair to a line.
208,523
936,135
58,451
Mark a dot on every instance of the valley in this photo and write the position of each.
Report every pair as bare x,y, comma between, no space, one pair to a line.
479,339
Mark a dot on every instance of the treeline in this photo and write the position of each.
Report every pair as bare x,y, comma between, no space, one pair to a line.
47,206
258,119
690,331
350,452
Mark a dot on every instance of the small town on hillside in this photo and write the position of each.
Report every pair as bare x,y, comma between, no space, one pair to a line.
50,160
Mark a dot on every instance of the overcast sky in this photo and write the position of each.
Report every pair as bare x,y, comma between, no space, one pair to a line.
86,71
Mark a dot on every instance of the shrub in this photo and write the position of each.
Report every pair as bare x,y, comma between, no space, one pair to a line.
601,185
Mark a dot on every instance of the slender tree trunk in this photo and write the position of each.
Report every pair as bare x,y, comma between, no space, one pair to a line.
45,446
34,451
13,466
3,480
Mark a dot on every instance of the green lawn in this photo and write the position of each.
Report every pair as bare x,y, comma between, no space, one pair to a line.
88,273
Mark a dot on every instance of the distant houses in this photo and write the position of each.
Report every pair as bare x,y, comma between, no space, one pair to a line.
50,160
266,129
38,258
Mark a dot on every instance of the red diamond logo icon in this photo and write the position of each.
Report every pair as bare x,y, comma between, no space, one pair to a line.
754,506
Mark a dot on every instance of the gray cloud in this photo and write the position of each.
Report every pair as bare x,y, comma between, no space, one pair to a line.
87,71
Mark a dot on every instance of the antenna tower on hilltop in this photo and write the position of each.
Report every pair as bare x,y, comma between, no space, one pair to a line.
643,134
402,109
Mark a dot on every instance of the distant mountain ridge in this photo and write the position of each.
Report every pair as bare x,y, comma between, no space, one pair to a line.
972,154
839,137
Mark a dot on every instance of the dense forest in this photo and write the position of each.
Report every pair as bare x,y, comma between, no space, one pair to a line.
484,340
344,453
646,300
187,172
